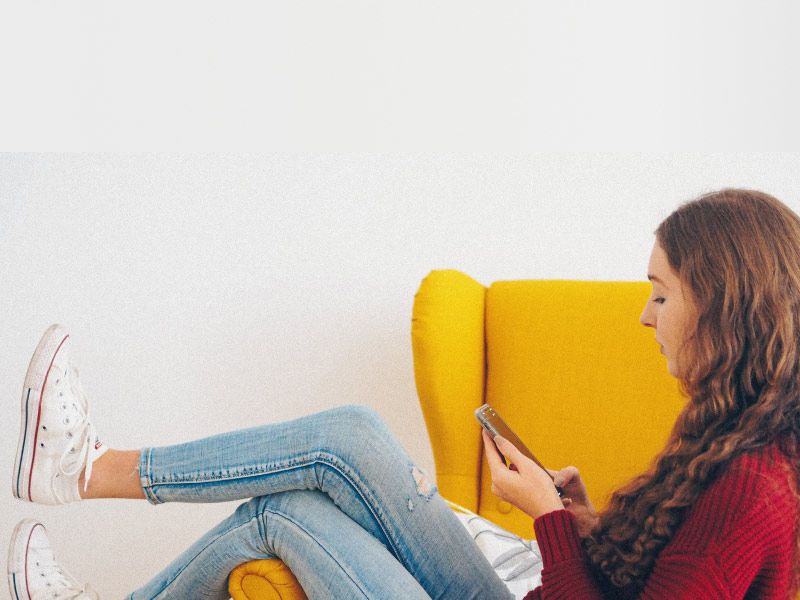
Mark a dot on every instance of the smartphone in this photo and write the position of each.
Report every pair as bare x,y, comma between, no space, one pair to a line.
491,422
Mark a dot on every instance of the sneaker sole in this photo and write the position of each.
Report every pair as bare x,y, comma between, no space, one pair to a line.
31,408
18,558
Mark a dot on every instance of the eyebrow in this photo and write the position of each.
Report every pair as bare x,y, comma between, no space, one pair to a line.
654,278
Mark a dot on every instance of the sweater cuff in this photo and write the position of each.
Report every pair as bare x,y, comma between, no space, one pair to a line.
557,537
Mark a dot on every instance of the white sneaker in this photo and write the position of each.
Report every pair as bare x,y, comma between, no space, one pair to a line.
57,440
34,574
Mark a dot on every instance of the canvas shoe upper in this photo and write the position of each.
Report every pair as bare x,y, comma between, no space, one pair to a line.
34,573
57,439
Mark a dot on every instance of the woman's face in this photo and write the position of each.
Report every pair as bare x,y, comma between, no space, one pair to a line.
669,310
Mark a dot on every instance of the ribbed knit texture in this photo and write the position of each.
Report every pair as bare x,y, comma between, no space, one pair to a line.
737,540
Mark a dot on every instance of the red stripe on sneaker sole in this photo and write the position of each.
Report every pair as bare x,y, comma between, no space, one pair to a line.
27,545
39,414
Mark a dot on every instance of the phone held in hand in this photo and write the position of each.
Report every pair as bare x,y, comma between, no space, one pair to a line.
494,425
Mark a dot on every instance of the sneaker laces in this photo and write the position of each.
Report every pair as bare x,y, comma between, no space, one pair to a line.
73,592
66,586
83,432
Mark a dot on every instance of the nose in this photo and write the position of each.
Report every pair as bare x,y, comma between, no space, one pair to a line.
647,318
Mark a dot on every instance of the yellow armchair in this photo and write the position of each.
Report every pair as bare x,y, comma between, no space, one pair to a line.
565,362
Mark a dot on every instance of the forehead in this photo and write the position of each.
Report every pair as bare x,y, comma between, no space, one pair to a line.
659,269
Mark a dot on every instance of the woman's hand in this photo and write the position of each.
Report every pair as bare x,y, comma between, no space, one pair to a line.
576,499
524,484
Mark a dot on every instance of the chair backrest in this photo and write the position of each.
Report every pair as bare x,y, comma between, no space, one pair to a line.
566,363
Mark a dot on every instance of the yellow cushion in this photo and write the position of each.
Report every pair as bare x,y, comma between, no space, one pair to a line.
264,580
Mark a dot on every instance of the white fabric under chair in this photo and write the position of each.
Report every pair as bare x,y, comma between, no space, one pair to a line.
516,561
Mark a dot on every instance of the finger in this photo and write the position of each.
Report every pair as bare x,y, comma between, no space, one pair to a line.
565,475
515,457
569,472
492,455
508,449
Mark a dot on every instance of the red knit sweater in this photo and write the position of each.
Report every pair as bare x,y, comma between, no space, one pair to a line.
737,540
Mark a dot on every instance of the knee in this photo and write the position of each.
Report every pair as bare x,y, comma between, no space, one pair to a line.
281,515
356,423
362,420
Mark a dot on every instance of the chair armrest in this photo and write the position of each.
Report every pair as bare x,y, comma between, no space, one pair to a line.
447,337
264,580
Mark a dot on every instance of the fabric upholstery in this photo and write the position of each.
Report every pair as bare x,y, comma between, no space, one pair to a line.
264,580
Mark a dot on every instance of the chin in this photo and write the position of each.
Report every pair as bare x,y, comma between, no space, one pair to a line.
674,371
671,369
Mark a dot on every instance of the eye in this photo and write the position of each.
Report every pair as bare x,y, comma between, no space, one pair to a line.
658,300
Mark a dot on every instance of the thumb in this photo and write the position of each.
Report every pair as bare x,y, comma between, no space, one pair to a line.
507,448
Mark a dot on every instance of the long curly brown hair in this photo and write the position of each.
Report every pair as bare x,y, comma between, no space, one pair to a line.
738,252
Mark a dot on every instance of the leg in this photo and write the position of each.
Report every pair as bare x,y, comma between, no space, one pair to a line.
349,454
116,475
328,552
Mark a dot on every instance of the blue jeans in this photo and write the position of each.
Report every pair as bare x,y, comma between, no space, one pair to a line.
334,496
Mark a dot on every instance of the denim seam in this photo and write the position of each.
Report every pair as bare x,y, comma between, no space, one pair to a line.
354,480
257,471
146,477
196,556
262,533
276,513
320,457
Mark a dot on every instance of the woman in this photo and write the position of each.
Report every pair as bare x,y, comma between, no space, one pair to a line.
336,498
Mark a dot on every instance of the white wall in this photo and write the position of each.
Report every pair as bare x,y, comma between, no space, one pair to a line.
354,75
207,293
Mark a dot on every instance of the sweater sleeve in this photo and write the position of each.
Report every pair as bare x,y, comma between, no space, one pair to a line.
738,539
566,572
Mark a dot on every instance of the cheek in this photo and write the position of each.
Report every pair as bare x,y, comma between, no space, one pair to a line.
667,324
669,328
